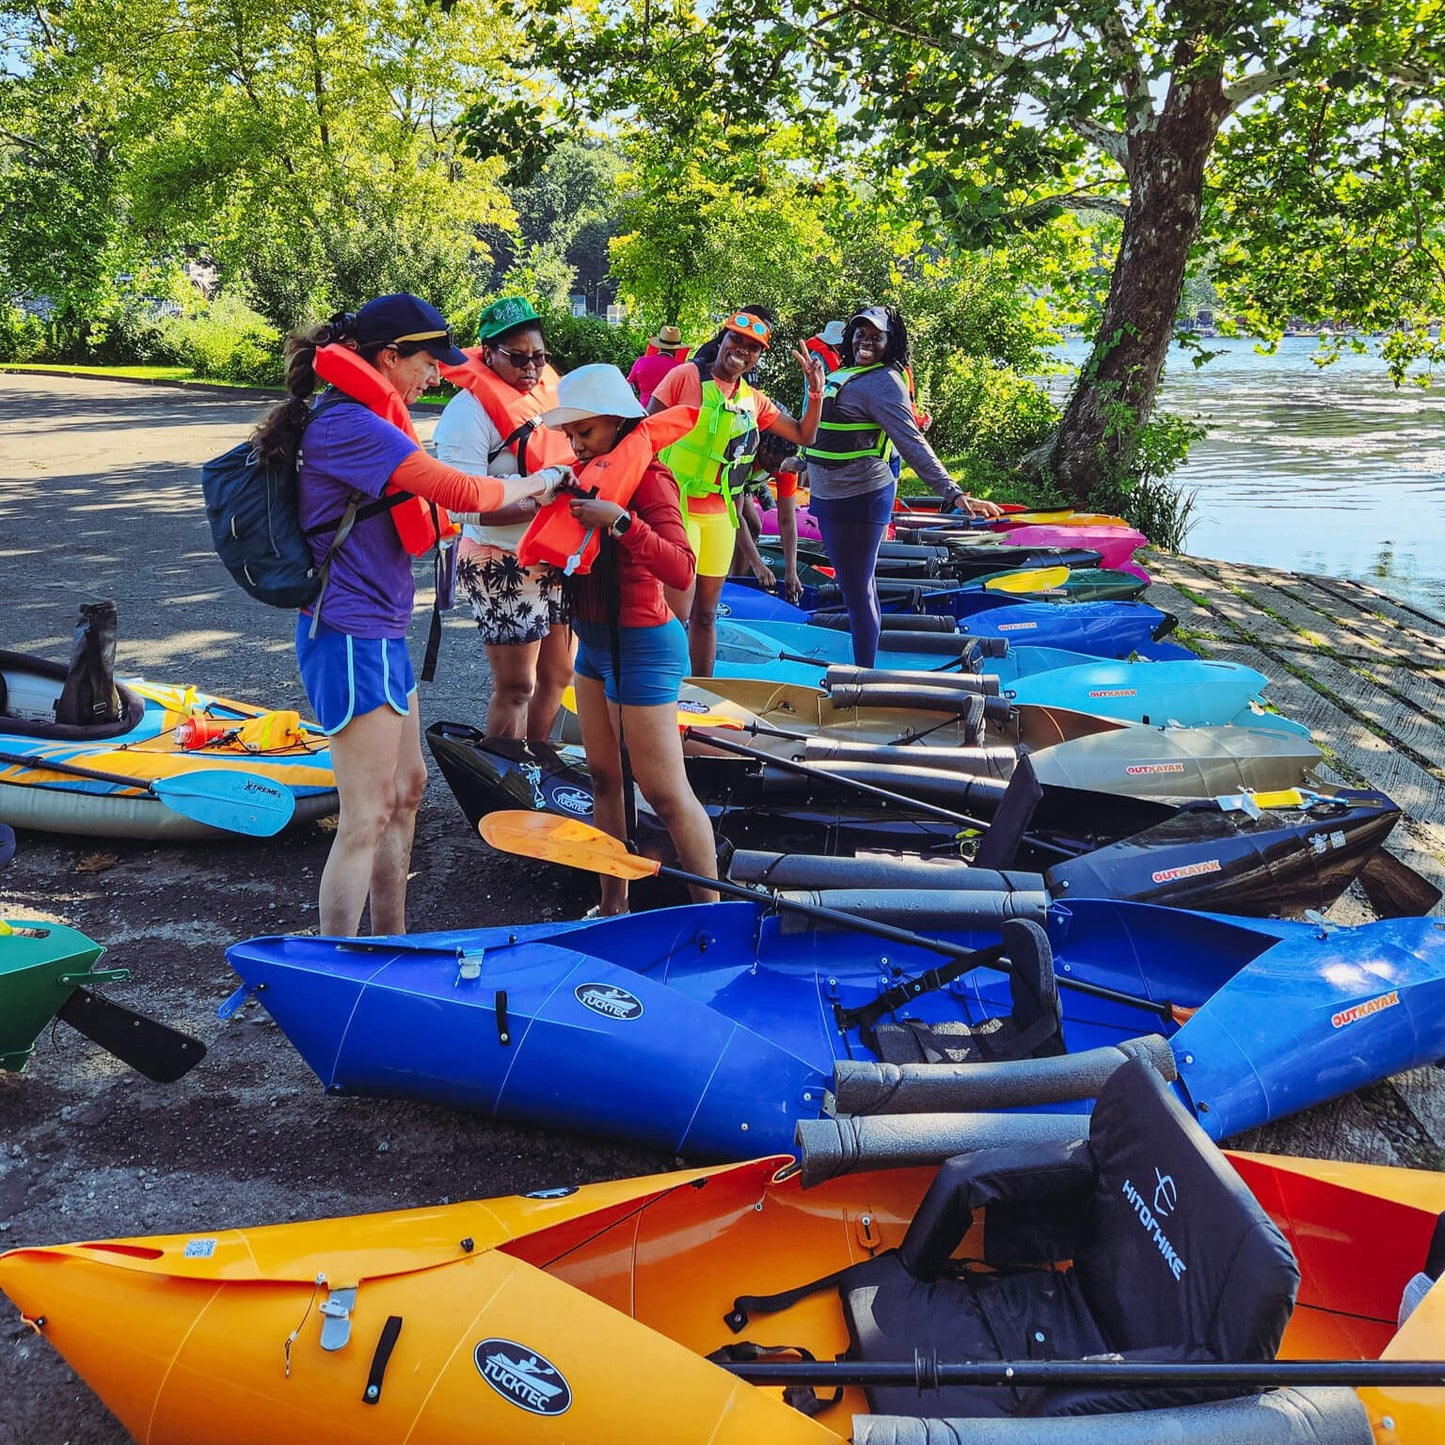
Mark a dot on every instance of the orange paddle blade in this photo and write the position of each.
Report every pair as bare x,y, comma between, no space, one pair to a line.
568,841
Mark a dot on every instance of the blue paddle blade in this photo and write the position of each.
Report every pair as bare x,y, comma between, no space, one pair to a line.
7,844
238,802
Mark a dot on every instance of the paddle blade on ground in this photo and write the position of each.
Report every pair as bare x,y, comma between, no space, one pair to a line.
567,841
161,1053
236,801
690,712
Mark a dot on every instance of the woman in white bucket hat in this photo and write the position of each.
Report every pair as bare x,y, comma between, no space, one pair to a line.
631,650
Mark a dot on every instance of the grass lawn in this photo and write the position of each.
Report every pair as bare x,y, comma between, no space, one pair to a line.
124,373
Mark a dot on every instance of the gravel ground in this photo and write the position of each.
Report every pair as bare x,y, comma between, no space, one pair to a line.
99,499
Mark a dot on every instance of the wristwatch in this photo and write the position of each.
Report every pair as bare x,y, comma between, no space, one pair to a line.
620,526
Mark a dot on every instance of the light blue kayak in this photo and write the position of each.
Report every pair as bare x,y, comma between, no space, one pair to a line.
1193,693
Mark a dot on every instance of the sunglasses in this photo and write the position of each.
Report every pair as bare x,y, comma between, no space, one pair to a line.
523,359
743,321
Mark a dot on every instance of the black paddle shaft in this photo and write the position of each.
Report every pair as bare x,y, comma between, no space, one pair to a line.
928,1372
50,765
975,958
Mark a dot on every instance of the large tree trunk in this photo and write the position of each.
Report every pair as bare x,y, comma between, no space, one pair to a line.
1114,394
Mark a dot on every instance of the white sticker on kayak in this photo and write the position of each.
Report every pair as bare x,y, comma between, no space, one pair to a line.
1017,626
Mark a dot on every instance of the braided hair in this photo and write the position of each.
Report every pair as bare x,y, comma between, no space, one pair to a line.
897,353
278,437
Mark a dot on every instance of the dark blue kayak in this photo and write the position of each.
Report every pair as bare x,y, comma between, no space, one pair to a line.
1104,629
711,1030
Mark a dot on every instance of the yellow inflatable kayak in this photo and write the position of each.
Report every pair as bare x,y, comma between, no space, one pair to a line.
590,1315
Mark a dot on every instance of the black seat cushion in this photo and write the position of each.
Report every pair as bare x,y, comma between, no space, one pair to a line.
1172,1260
1177,1250
1032,1030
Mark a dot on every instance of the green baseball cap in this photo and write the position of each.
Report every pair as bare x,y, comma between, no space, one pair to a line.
504,316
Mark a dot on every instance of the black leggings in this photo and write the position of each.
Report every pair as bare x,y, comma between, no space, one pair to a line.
853,529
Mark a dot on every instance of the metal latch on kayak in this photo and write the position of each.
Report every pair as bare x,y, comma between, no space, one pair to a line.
99,975
469,965
335,1314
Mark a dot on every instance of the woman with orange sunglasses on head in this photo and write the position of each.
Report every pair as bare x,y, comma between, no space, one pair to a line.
712,462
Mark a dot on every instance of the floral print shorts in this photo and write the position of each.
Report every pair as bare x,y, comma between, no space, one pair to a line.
512,604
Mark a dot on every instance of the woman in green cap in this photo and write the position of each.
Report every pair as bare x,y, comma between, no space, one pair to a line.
490,429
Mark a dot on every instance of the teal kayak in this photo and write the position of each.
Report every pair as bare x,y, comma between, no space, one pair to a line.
1189,694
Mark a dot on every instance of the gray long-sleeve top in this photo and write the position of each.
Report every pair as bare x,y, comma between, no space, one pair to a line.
880,397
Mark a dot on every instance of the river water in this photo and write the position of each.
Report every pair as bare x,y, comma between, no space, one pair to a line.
1330,470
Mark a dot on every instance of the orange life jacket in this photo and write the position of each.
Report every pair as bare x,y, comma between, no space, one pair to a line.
420,524
826,354
557,537
514,413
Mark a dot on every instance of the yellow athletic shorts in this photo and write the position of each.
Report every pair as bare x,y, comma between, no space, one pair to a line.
712,537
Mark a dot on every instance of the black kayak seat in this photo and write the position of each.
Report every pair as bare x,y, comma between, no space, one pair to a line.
1153,1249
88,696
1032,1029
972,650
1331,1415
1000,844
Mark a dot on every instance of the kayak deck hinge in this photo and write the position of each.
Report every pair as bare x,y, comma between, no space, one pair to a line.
469,965
99,975
335,1312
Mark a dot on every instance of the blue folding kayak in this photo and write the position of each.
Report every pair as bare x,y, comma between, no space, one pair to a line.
711,1030
1193,693
1105,629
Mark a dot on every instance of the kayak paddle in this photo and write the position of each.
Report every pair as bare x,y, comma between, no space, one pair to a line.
690,713
928,1372
7,844
1034,579
575,844
230,799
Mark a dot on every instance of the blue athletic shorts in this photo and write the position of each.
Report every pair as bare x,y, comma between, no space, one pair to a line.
654,661
347,677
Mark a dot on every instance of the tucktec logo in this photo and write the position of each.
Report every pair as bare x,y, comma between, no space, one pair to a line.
688,704
609,1001
1363,1010
1150,1218
724,609
572,800
522,1377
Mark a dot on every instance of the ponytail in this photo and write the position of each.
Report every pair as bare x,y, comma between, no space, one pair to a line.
278,437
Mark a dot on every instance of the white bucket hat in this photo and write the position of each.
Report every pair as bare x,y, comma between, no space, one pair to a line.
596,390
832,333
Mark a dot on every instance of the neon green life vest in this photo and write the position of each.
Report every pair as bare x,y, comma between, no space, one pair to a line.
840,440
716,455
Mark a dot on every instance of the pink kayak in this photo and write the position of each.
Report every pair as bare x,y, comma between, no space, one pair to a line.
1116,545
807,527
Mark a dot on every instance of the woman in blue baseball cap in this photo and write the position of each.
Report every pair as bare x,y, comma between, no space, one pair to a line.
351,643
